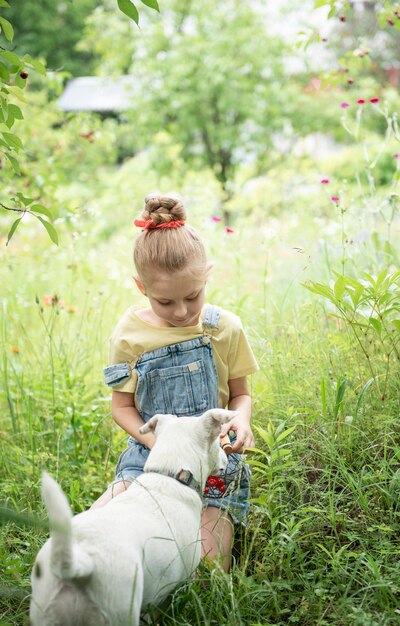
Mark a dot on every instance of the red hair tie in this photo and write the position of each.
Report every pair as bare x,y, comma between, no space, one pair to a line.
149,224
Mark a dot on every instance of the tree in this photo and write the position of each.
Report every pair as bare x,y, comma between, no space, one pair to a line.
49,30
210,75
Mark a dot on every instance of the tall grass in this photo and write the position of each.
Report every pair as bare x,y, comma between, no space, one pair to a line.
322,542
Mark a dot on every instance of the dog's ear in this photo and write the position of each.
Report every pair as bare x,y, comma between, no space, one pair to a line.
157,419
214,419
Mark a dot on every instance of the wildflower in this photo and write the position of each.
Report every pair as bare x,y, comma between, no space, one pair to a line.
206,490
335,198
344,105
212,481
215,218
350,81
325,181
390,21
396,155
361,101
50,300
374,100
71,309
14,349
229,230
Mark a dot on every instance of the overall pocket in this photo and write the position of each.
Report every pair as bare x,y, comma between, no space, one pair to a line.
116,374
180,390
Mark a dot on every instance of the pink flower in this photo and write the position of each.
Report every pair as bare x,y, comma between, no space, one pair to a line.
361,101
335,198
229,230
215,218
396,155
344,105
325,181
374,100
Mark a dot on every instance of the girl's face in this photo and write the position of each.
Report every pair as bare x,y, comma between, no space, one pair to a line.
175,299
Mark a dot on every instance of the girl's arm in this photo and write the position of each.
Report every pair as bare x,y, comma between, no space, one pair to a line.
240,400
128,418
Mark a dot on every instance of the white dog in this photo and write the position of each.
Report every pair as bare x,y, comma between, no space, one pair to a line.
105,565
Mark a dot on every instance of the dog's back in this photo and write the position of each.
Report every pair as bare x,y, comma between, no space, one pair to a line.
104,565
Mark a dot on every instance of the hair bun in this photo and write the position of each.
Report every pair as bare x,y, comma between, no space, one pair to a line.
162,209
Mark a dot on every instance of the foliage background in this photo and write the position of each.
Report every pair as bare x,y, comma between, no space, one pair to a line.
239,110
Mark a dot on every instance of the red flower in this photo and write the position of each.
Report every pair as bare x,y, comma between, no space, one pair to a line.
212,481
206,490
374,100
361,101
325,181
222,488
229,230
335,198
220,482
215,218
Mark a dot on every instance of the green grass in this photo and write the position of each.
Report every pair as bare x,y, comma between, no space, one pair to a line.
322,543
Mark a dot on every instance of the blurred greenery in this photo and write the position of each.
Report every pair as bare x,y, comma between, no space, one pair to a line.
243,120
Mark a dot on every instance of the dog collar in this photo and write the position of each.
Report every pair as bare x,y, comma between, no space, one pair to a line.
183,476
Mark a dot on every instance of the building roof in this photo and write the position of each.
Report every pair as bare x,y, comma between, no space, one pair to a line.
96,93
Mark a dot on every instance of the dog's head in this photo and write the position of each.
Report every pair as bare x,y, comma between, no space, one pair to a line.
191,442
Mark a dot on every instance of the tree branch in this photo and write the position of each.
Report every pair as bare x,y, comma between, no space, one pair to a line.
9,208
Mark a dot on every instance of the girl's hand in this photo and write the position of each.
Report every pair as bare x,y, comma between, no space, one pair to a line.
244,435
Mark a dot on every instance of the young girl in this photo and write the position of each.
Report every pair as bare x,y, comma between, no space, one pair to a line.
180,356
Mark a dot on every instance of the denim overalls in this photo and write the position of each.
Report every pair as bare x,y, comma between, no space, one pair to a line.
182,379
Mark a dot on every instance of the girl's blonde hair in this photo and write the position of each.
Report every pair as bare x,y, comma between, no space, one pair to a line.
168,249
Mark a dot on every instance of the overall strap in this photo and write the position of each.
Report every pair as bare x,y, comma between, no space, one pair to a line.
211,316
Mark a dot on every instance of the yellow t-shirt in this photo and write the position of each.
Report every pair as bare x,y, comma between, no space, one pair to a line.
232,354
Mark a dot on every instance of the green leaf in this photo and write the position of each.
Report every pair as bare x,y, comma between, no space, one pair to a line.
340,288
11,57
12,140
376,324
153,4
381,277
39,208
24,199
320,290
14,163
129,9
4,75
396,324
4,4
16,111
356,294
50,229
285,433
37,65
7,29
17,92
12,230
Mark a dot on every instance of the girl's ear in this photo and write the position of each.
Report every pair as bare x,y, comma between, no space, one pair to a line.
139,284
209,269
